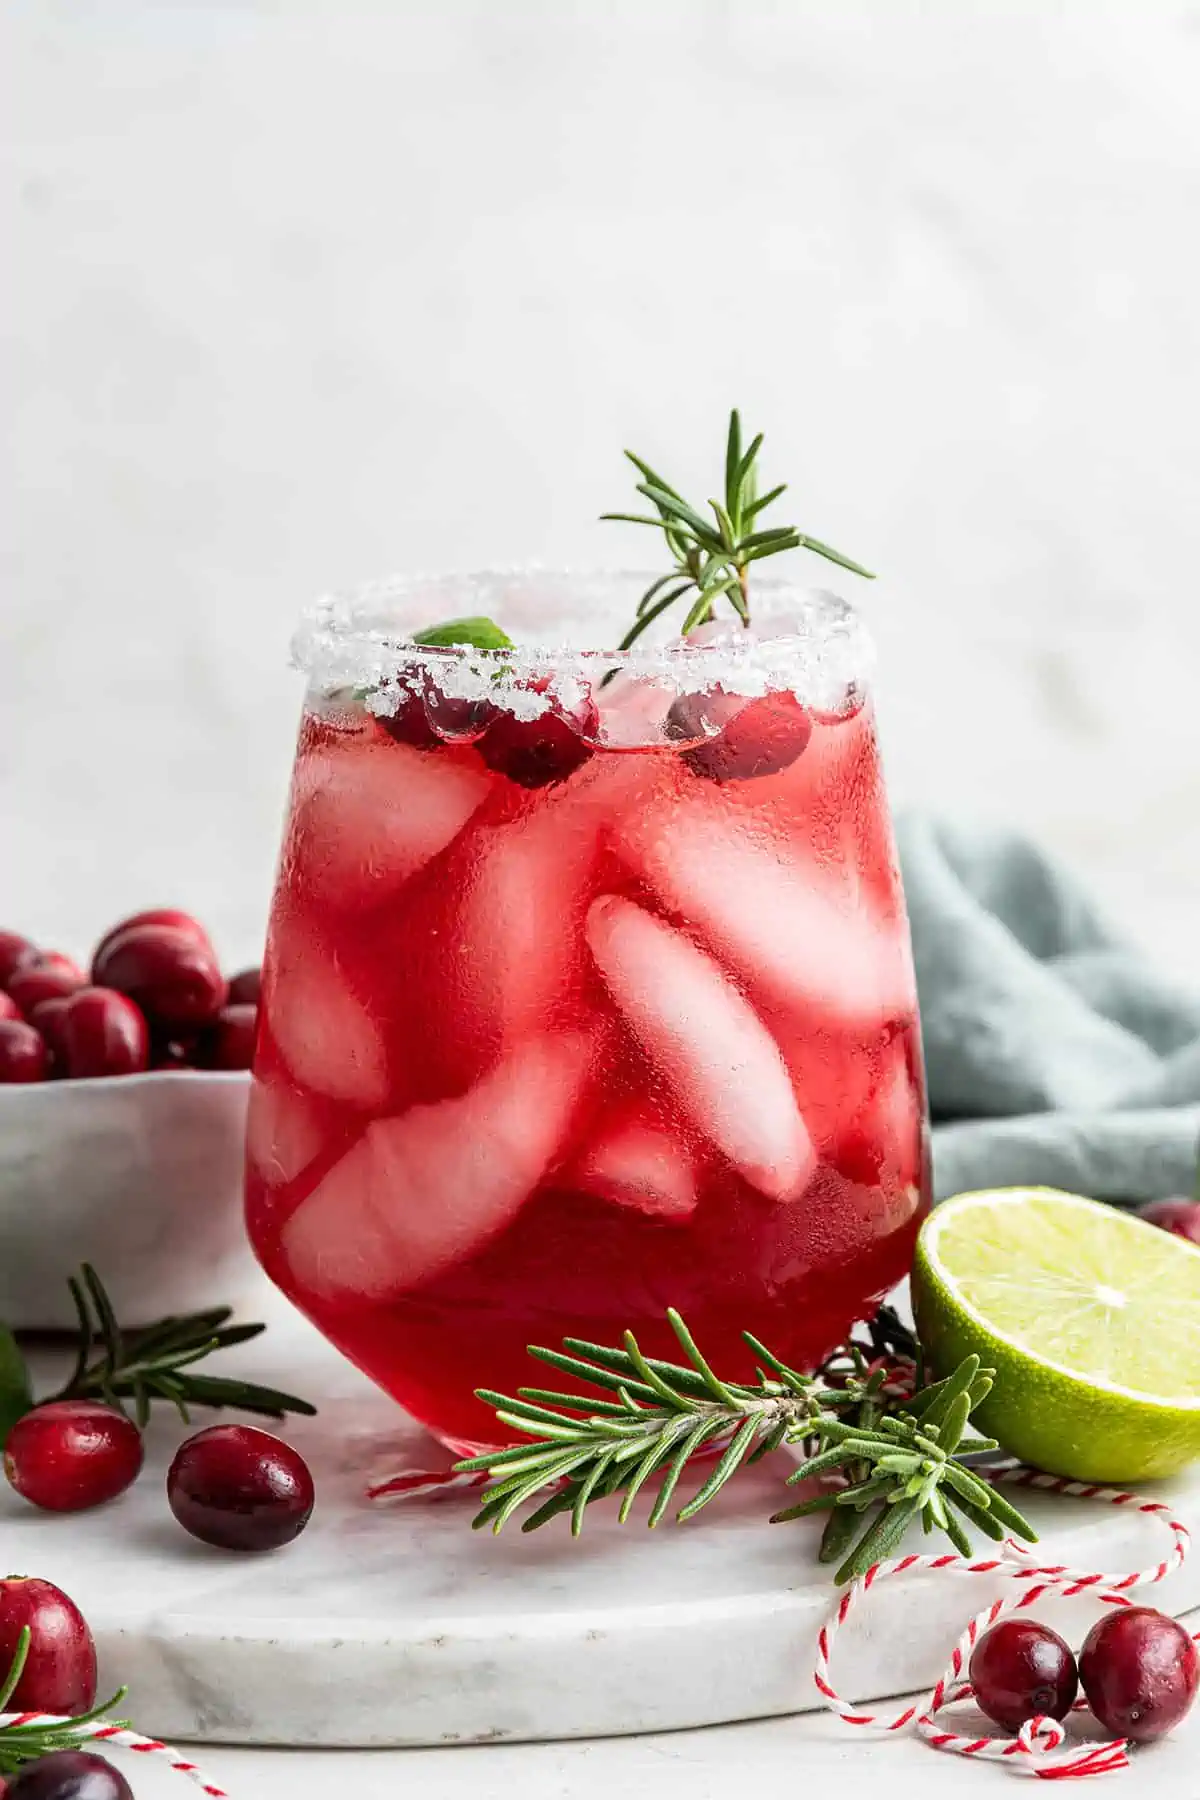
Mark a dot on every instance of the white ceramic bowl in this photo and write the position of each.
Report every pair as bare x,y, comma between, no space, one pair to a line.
139,1175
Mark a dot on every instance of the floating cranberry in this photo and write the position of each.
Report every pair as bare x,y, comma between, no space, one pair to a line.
9,1008
60,1670
171,974
535,752
1020,1670
240,1488
48,978
23,1053
1182,1217
245,988
102,1032
69,1775
1140,1671
70,1455
161,915
228,1043
14,950
745,738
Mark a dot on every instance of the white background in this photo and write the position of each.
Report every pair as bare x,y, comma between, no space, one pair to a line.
301,293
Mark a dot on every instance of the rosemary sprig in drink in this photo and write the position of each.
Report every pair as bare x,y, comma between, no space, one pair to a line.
901,1449
713,557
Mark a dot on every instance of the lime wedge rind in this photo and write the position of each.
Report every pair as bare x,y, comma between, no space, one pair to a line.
1090,1318
951,1212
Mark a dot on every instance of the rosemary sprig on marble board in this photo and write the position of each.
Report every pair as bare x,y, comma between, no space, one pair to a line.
897,1443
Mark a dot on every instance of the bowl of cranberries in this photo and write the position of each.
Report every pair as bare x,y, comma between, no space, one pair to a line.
123,1088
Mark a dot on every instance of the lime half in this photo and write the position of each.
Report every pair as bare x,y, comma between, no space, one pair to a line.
1090,1318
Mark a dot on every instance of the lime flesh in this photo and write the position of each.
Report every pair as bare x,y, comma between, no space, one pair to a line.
1090,1318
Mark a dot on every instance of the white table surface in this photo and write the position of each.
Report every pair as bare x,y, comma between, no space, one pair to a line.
776,1758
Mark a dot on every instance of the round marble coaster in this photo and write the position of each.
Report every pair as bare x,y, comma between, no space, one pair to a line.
400,1626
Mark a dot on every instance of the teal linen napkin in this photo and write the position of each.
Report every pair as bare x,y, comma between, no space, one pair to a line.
1056,1054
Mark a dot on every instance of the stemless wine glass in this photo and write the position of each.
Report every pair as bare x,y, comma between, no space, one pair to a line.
588,991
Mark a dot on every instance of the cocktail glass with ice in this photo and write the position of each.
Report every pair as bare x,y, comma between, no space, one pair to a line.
588,991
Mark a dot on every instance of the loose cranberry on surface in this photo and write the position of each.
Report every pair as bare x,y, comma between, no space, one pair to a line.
245,988
1179,1216
23,1053
100,1032
1020,1669
60,1670
535,752
240,1488
1140,1671
70,1455
160,915
228,1043
69,1775
171,974
46,979
745,738
14,950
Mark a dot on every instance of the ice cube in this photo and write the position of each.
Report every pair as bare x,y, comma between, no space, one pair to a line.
367,820
324,1034
425,1190
283,1132
706,1040
793,931
636,1163
518,937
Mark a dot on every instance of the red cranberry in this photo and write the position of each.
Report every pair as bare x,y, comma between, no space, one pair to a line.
49,978
752,737
240,1488
14,950
169,1055
102,1033
9,1008
245,988
23,1053
1020,1669
228,1043
170,973
60,1670
535,752
1179,1216
70,1455
161,915
69,1775
47,1018
1140,1671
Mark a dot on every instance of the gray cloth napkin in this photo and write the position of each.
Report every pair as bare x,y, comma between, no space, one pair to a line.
1055,1053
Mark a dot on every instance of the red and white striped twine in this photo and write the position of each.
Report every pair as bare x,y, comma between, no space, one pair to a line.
1031,1751
99,1731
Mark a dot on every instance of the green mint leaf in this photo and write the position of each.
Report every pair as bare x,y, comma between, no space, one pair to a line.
16,1394
480,633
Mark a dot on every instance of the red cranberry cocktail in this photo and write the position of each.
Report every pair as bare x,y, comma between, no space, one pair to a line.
588,990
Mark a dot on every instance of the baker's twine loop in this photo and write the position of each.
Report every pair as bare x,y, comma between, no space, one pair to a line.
99,1730
1033,1750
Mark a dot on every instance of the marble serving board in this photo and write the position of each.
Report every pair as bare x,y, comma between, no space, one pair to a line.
400,1626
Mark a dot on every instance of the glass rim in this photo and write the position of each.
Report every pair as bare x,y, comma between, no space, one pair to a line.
359,636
